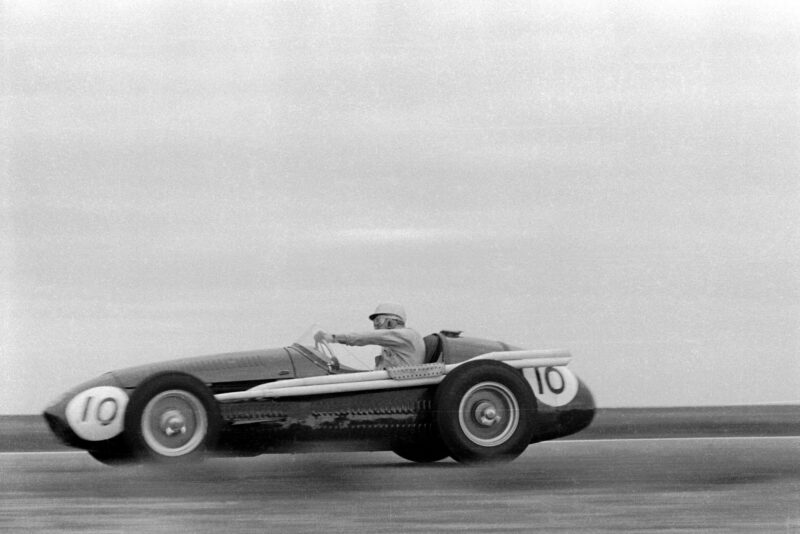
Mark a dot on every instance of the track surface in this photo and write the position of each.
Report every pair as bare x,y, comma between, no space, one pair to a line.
676,485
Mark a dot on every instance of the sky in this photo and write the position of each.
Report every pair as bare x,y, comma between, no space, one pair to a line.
620,179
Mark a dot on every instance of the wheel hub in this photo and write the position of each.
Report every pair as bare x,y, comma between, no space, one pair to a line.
486,414
173,422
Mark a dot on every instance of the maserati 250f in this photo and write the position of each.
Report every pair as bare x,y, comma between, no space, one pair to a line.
474,400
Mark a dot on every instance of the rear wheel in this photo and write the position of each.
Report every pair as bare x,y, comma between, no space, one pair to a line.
172,417
484,412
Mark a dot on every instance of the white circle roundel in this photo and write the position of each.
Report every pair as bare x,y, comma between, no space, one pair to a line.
97,414
554,386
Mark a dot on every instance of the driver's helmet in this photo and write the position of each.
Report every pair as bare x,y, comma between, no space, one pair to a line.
388,308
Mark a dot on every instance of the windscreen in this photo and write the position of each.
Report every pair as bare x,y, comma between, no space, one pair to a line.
359,358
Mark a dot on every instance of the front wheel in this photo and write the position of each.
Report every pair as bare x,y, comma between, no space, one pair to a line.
484,412
172,417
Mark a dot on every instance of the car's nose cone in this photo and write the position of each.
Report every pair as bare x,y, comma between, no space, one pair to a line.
61,429
56,413
581,410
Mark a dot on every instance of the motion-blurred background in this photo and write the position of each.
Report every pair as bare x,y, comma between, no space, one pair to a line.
617,178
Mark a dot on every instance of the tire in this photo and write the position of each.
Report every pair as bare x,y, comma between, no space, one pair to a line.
172,417
115,453
113,458
423,450
484,412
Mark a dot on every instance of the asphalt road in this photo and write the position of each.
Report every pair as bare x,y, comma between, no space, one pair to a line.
674,485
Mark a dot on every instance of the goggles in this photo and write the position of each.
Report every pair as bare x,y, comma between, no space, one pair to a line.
380,321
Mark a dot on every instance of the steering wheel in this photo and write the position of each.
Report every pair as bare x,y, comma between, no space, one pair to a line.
327,352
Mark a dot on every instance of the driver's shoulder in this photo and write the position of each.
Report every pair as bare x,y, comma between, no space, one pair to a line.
408,333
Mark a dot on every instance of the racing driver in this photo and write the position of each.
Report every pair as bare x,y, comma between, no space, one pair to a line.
401,345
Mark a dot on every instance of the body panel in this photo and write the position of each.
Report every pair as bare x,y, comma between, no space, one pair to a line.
460,349
355,421
249,366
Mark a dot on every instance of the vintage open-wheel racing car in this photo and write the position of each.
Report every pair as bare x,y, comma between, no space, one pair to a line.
473,399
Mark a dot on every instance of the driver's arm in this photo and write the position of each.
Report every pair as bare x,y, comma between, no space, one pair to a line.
384,338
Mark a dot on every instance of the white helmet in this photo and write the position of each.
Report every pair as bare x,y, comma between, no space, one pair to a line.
387,308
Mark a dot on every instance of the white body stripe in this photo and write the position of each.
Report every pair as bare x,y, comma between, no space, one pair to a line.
377,380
